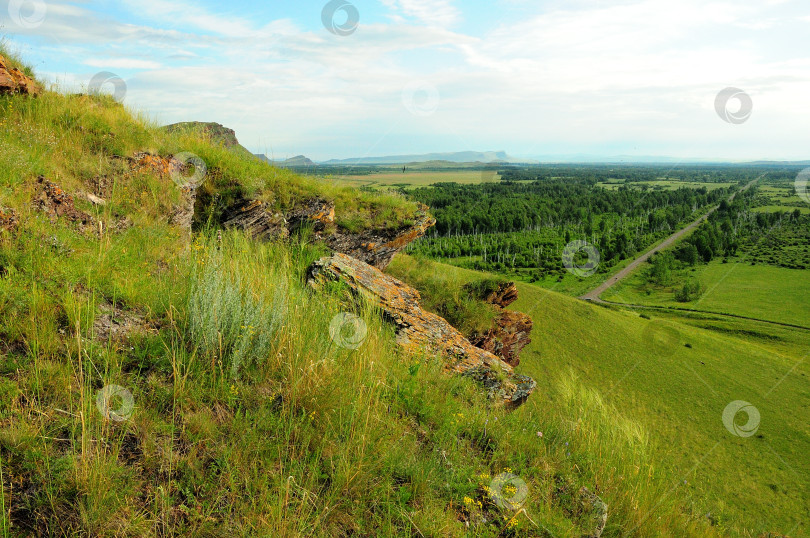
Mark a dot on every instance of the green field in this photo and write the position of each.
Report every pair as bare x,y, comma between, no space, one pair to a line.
674,375
415,178
780,198
760,291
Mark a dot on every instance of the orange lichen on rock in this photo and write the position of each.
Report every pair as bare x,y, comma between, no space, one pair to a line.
12,80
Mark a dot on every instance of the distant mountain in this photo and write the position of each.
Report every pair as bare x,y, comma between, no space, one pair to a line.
293,162
457,157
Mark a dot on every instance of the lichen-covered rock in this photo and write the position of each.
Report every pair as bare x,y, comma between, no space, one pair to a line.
255,217
12,80
51,199
377,247
508,336
421,331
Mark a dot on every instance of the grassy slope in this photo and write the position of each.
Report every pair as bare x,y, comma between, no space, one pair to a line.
677,394
247,419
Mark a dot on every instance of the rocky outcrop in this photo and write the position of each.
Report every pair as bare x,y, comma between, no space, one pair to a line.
255,218
503,295
12,80
510,331
376,247
421,331
508,336
316,213
182,214
56,203
213,131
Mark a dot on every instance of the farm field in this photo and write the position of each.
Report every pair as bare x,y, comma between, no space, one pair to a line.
759,291
415,178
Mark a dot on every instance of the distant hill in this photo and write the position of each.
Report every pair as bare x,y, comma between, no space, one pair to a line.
292,162
457,157
216,132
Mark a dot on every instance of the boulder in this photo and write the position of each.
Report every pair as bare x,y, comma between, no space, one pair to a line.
507,337
12,80
378,247
419,331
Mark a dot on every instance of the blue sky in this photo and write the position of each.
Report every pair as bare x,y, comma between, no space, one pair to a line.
534,78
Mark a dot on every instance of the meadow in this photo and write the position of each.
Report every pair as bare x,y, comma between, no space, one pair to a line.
673,376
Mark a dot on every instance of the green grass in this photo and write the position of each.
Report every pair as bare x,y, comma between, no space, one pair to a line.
676,395
758,291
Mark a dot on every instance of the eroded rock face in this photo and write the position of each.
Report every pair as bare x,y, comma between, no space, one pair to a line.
378,248
12,80
507,337
422,331
257,220
317,214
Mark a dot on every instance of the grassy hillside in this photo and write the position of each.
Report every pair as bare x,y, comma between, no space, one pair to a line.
673,377
152,387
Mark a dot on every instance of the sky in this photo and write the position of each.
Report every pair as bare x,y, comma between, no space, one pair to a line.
535,78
